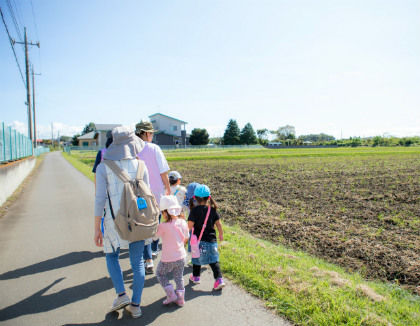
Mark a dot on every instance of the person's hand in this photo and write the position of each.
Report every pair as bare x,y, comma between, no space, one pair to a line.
220,237
168,192
98,238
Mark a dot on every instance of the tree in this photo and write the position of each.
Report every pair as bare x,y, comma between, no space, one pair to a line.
232,133
74,140
216,140
199,137
285,132
262,136
88,128
247,135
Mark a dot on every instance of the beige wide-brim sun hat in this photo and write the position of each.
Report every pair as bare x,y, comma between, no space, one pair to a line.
125,145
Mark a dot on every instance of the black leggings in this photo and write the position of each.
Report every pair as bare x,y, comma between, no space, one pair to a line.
215,268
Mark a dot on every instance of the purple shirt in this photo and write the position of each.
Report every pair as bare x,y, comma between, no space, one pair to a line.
156,164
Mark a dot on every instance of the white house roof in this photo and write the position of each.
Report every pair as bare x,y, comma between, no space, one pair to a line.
89,135
166,116
105,126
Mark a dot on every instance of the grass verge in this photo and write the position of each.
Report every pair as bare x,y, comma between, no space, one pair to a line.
310,291
82,167
305,289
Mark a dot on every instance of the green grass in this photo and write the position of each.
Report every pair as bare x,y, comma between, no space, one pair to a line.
310,291
239,154
305,289
88,157
86,169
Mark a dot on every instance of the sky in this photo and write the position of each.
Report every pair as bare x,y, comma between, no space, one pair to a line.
342,67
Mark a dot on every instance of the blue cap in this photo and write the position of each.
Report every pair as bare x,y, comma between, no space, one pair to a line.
202,191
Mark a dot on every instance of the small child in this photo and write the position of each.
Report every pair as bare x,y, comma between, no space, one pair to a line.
174,233
208,242
175,184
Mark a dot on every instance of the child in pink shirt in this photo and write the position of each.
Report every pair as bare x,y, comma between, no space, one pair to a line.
174,234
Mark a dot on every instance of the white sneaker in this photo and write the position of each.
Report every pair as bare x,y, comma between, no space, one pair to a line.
154,254
135,311
149,267
120,302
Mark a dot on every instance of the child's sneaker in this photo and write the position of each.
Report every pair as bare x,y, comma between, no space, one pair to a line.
149,267
219,284
195,279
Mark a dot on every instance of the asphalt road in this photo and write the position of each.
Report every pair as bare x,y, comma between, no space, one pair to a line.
51,273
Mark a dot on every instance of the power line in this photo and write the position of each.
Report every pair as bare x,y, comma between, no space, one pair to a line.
33,15
13,49
15,22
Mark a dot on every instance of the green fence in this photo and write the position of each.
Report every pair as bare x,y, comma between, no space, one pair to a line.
14,145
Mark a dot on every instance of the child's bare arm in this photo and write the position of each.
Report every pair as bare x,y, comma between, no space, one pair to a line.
190,225
219,229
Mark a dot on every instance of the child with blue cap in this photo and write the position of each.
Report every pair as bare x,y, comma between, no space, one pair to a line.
202,221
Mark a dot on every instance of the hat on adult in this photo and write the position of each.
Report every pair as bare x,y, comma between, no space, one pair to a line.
174,175
202,191
145,126
125,145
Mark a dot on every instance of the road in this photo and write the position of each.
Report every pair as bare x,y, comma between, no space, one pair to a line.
51,273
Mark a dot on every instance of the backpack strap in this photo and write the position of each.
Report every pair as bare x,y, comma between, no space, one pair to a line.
204,225
140,170
121,174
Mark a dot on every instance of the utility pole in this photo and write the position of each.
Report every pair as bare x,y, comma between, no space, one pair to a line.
28,94
33,103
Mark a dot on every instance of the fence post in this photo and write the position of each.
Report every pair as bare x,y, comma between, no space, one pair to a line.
4,144
16,149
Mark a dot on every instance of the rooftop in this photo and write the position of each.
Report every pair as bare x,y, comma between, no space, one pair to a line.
167,116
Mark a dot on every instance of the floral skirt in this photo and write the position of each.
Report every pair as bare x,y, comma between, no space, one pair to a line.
208,254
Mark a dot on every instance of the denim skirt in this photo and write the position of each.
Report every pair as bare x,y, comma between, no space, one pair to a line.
208,254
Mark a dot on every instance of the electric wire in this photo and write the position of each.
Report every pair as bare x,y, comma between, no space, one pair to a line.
15,22
37,36
13,49
33,16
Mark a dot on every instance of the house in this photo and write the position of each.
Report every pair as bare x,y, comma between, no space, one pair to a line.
101,130
96,137
170,131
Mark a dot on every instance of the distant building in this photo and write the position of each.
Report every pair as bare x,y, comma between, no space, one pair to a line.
101,130
170,131
97,137
274,144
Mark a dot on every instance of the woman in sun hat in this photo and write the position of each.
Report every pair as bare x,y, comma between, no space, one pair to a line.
123,152
158,169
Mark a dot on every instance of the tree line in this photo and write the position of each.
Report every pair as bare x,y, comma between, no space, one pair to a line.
286,135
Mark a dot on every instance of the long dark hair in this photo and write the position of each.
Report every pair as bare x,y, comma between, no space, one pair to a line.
203,201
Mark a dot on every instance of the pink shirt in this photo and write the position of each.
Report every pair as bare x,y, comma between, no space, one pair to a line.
156,164
173,235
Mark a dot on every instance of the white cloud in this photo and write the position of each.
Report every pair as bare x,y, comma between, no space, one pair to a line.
20,127
44,131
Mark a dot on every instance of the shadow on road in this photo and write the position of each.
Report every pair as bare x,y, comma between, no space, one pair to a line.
51,264
39,302
150,312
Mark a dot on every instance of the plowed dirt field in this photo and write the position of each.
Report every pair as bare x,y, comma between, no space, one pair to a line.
362,212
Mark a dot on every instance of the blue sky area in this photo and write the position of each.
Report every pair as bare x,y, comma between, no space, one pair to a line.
340,67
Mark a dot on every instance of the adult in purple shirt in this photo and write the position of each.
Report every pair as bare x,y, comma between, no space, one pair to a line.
158,169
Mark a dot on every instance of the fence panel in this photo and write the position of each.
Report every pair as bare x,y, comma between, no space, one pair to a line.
14,145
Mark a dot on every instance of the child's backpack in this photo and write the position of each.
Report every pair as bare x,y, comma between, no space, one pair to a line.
138,216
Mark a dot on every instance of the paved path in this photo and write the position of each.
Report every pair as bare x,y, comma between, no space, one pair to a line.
51,273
